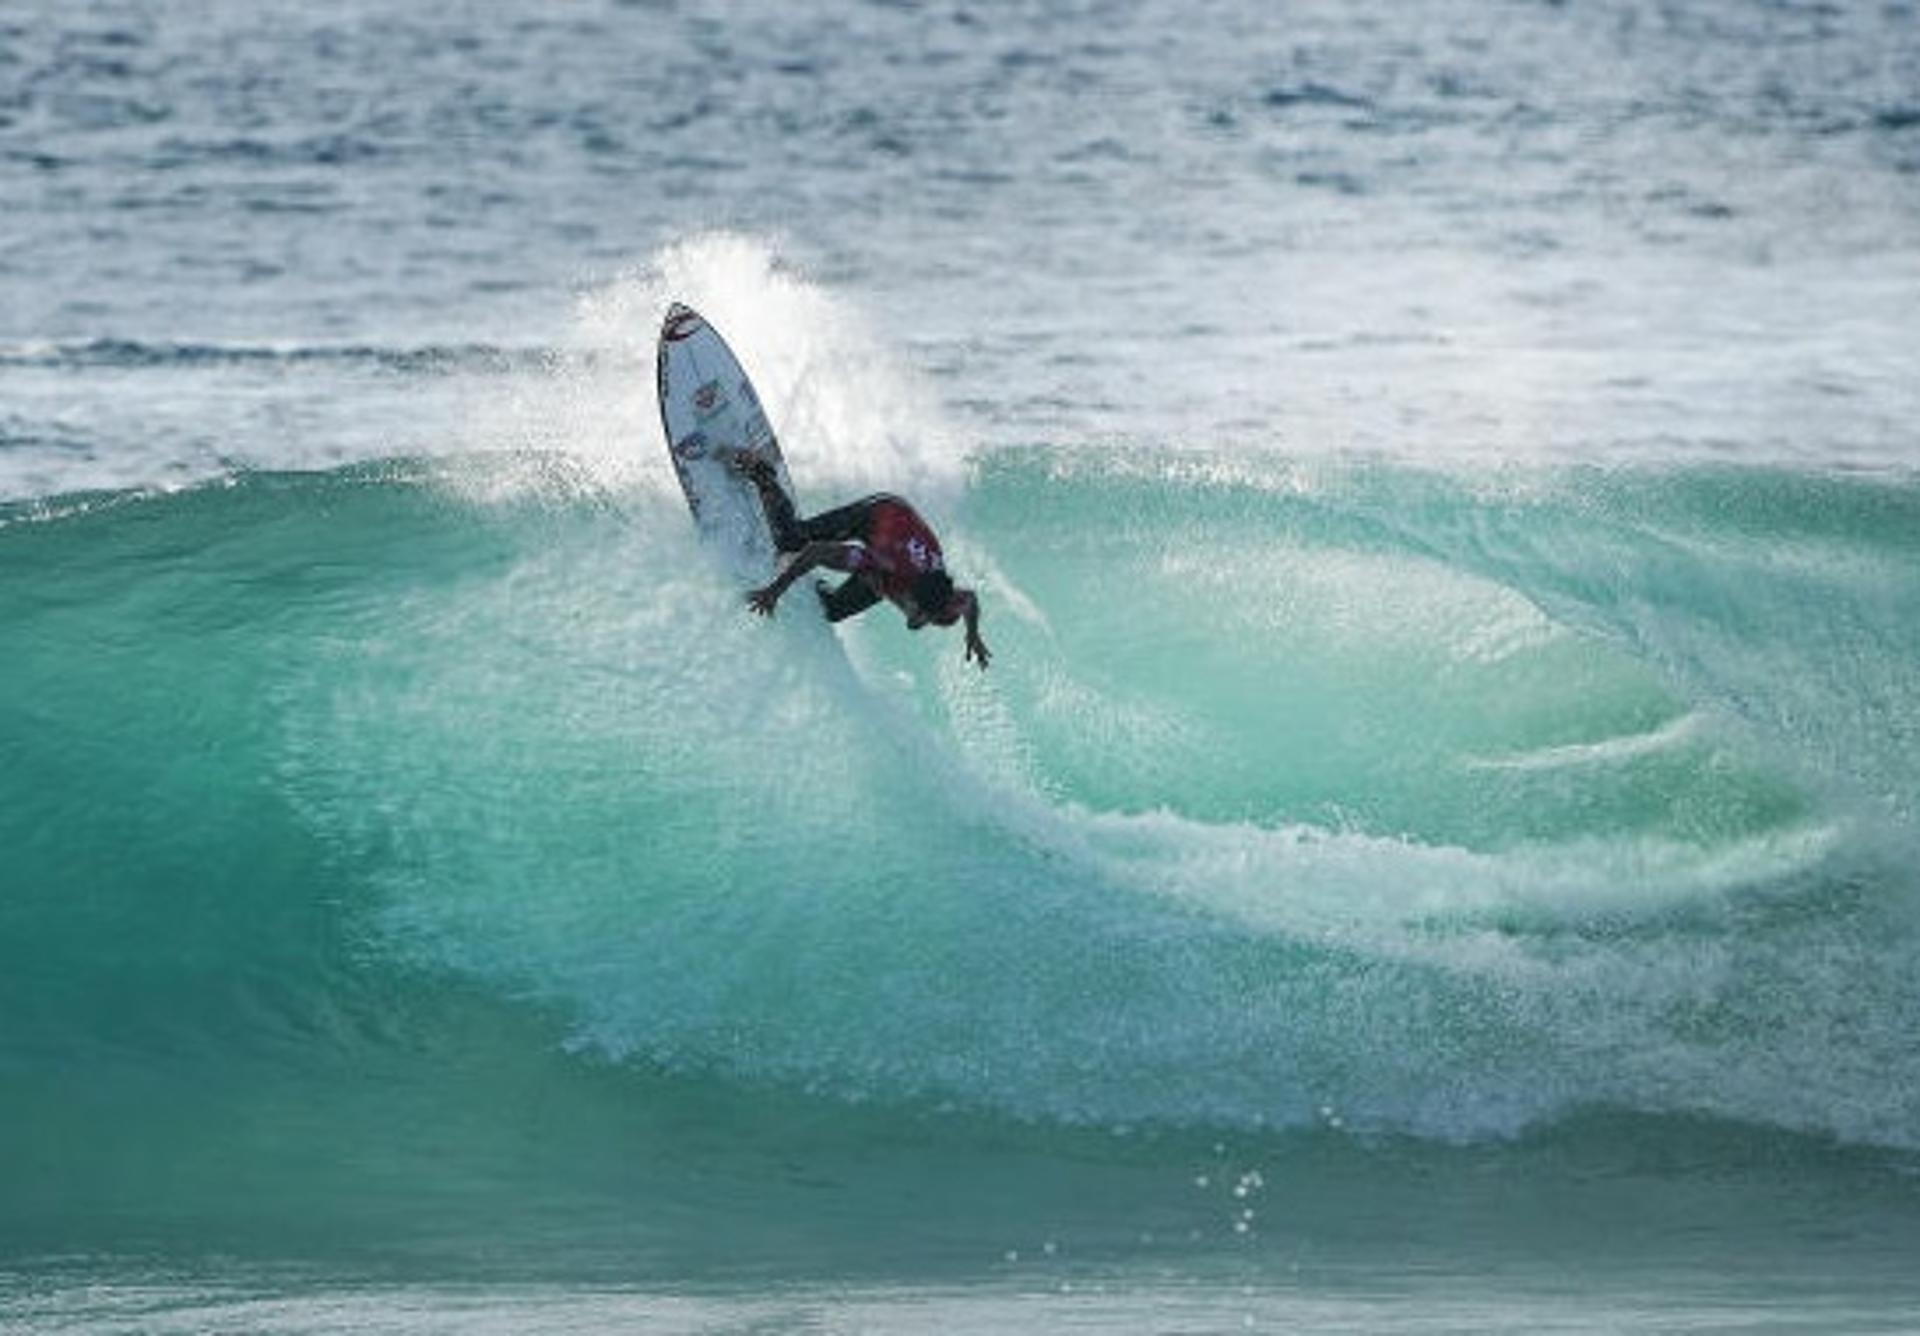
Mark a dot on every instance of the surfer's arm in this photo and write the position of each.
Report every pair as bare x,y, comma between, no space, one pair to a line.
835,556
976,650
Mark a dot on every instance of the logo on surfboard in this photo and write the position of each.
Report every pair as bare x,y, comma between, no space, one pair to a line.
709,399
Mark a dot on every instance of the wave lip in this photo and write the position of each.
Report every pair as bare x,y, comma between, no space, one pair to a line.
1623,747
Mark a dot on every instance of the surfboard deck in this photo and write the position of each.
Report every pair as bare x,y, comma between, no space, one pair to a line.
707,406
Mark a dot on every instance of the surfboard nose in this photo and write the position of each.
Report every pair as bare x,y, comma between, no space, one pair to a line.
681,321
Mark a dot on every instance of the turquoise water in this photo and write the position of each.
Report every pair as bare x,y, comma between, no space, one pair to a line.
1436,849
423,872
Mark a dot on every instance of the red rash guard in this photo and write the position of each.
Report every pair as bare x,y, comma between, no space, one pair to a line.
899,548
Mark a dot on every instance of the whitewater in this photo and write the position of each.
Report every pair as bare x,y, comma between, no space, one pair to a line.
1436,849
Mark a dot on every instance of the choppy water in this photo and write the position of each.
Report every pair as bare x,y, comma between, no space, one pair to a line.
1436,848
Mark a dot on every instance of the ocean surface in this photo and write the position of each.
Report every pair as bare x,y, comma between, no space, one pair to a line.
1438,848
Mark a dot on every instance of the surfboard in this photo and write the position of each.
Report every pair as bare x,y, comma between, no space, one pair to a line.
707,406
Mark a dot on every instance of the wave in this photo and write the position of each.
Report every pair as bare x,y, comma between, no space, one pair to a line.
141,354
1431,803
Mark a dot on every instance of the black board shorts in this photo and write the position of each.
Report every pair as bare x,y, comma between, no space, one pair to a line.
852,522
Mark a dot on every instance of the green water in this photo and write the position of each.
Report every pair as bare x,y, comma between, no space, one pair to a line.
418,876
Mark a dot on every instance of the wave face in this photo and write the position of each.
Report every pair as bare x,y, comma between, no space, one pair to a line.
1412,802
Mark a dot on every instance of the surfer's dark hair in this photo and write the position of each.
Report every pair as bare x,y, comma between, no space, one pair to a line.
932,590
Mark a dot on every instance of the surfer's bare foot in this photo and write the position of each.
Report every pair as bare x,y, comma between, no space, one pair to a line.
746,463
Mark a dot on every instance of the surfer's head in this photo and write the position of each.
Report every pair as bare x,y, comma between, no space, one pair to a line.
932,594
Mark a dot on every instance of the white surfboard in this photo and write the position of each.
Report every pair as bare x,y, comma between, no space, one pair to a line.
708,405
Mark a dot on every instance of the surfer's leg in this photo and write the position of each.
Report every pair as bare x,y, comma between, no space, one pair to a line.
791,533
788,535
839,525
850,598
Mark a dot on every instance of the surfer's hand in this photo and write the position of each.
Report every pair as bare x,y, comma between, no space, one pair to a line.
762,600
977,652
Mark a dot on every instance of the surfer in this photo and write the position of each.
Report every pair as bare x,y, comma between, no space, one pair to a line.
887,549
